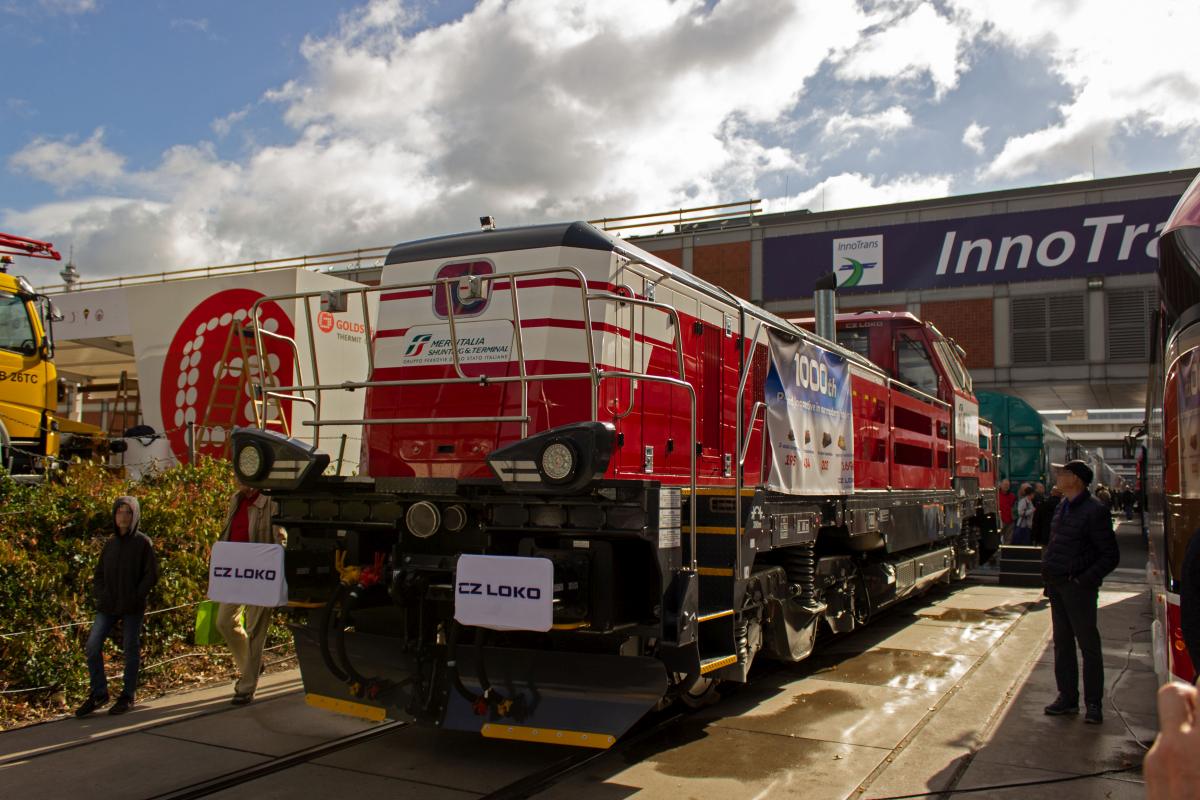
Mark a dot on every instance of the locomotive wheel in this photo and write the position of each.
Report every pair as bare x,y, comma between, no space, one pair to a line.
960,570
702,693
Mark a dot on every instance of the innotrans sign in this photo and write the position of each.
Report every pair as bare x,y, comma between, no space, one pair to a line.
1075,242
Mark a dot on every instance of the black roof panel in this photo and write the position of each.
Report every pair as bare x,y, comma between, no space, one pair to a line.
559,234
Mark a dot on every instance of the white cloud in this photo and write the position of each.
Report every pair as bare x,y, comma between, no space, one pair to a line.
221,126
185,24
65,164
1128,72
973,137
854,190
69,6
526,110
846,128
921,42
534,111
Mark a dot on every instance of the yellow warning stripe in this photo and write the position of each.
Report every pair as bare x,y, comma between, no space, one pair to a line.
571,626
715,529
716,664
304,604
373,713
717,572
520,733
715,615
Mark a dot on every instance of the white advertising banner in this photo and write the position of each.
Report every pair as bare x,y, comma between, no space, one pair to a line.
247,573
504,593
809,419
196,366
91,315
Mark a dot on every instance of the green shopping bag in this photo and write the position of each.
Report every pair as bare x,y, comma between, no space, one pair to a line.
206,623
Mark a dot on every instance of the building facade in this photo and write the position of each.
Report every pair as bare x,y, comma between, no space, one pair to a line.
1050,289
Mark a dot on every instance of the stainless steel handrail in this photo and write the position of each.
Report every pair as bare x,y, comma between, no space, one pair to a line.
410,420
594,374
917,393
750,424
296,397
258,352
670,311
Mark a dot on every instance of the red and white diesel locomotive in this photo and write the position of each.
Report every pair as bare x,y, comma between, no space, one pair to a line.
593,483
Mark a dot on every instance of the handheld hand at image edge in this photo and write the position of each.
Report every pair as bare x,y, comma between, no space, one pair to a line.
1172,767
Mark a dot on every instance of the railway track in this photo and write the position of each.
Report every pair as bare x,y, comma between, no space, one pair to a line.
252,773
222,707
536,780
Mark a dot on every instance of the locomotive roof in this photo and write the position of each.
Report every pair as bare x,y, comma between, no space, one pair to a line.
582,235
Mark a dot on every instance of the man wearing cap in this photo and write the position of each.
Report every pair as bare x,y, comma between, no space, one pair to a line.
1081,551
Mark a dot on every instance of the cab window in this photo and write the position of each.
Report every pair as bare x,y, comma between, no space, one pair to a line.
914,366
856,339
16,330
954,365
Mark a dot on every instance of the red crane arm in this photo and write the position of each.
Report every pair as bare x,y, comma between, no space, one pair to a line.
20,246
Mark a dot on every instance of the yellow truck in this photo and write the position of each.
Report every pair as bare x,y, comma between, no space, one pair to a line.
30,431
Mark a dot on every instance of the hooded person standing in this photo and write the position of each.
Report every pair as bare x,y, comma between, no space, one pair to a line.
248,520
125,574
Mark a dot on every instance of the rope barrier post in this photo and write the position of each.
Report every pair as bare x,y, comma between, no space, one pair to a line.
191,443
341,454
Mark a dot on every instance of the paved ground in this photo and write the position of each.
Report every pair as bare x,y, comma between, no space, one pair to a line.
943,692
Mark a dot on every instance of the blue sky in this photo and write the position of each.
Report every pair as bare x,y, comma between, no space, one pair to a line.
154,73
158,135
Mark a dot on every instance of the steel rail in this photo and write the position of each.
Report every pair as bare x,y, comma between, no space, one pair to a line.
257,771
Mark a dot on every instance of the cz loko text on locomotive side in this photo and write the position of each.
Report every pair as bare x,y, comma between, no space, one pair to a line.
593,484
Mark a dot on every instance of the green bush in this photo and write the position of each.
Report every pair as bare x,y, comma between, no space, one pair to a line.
50,538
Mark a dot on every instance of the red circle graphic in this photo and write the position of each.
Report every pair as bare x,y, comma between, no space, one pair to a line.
211,368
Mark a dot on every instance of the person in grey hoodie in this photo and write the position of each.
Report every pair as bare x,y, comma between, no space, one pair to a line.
125,574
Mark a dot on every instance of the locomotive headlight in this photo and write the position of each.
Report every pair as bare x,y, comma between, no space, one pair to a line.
423,519
558,461
252,462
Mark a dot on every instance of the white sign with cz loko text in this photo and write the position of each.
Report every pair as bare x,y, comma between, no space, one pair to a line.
247,573
504,593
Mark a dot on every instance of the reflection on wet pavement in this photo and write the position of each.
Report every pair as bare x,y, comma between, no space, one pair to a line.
971,615
902,669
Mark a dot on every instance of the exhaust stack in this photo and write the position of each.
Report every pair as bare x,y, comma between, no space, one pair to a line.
825,295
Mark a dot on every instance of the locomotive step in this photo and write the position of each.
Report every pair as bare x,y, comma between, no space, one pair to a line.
715,663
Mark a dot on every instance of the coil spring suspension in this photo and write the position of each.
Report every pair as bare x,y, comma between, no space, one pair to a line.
742,639
800,564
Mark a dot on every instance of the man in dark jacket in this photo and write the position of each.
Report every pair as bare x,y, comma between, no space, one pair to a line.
125,574
1081,551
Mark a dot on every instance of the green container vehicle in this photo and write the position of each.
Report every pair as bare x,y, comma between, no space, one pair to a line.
1028,444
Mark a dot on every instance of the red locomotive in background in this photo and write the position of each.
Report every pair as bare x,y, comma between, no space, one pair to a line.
593,483
1169,457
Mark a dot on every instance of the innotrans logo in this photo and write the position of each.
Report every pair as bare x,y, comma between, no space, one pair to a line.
858,261
417,344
